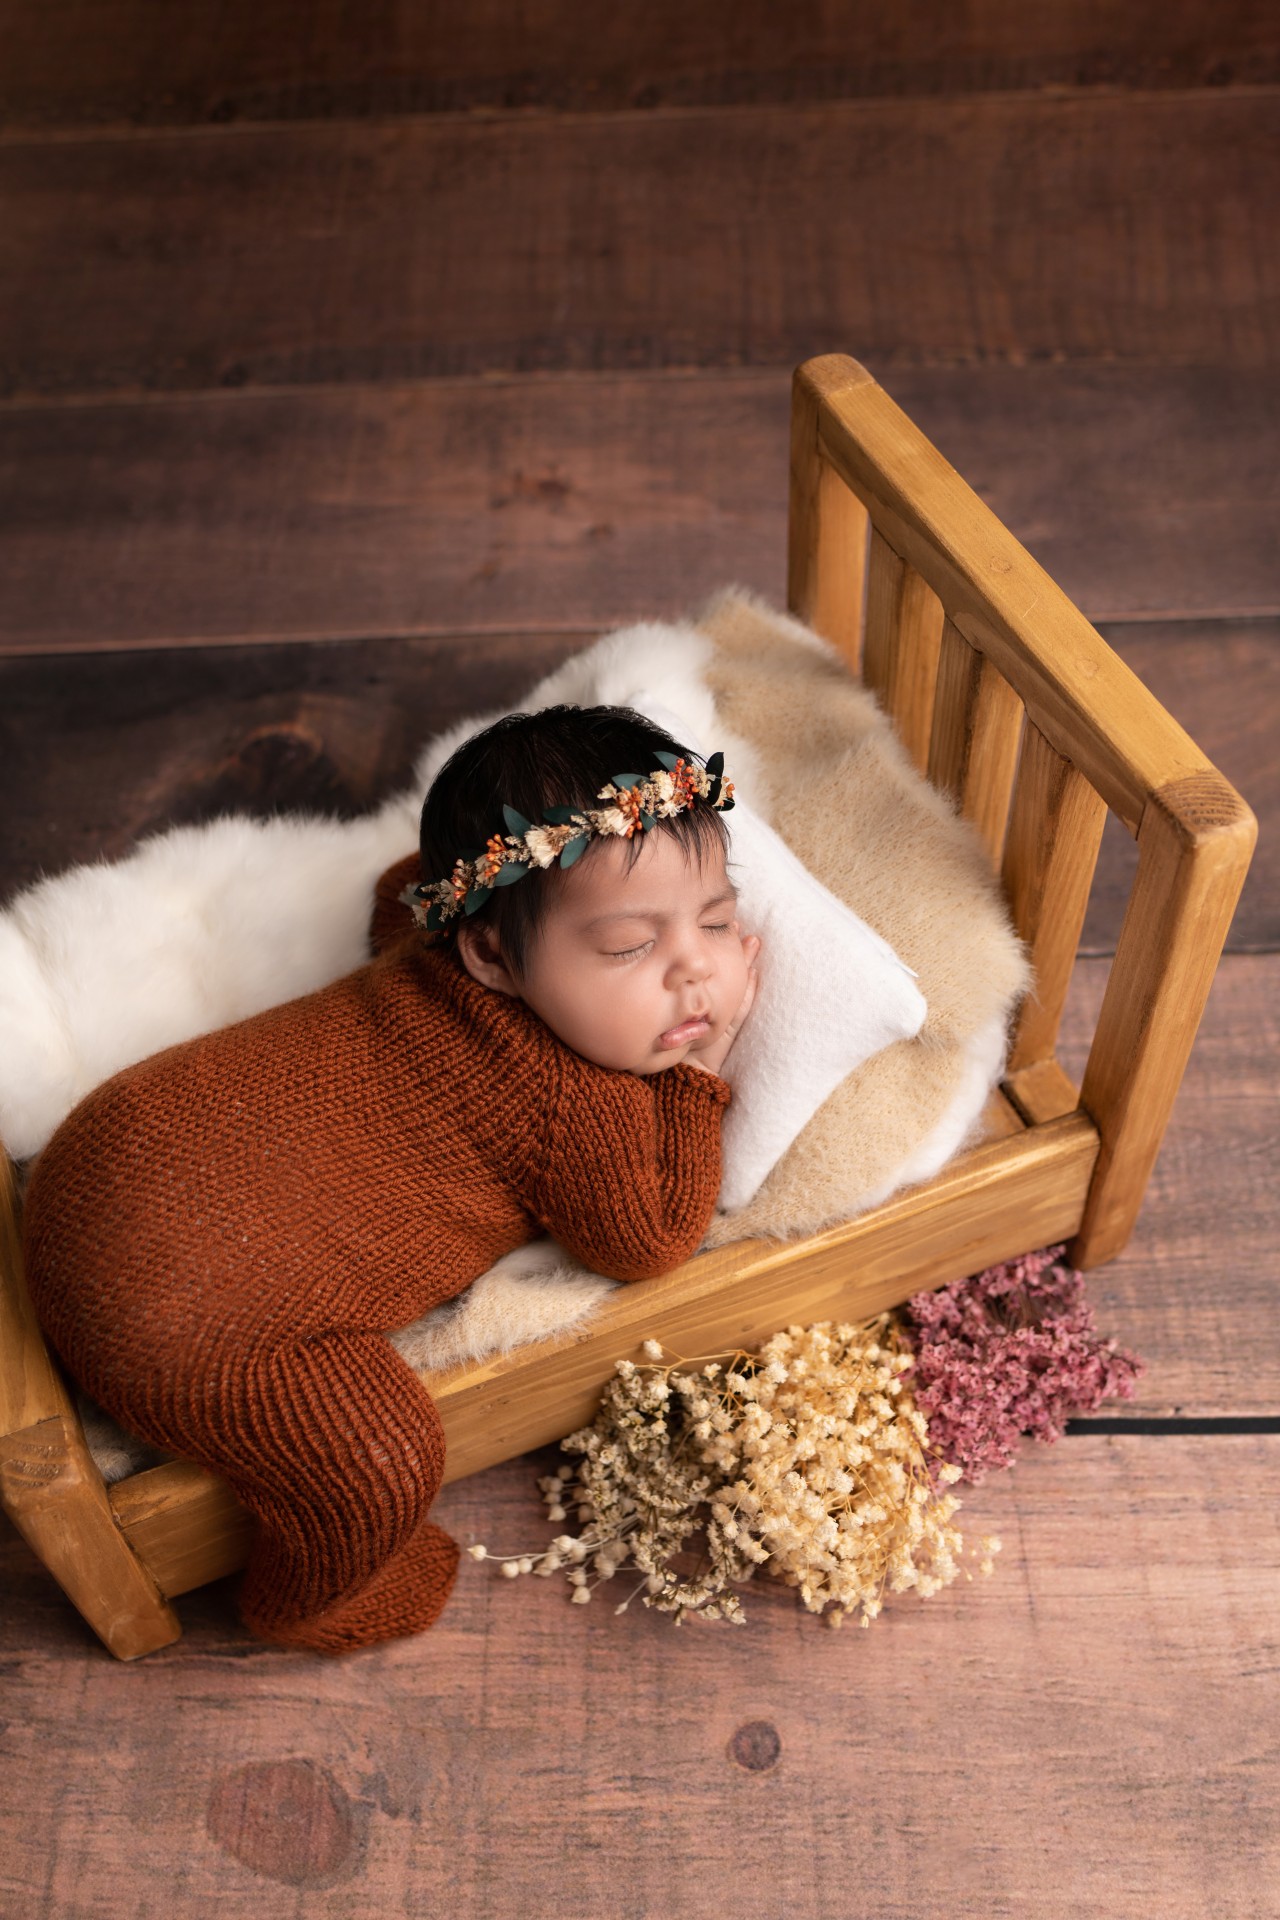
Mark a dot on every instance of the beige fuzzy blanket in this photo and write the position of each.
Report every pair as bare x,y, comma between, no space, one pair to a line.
828,772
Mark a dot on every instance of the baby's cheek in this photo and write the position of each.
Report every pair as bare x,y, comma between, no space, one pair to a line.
736,978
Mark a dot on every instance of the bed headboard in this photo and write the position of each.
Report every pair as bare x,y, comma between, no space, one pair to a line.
1012,703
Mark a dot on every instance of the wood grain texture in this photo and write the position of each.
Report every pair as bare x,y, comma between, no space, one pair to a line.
903,640
1055,826
1195,841
126,744
31,1388
1037,227
1090,1730
98,750
577,502
456,507
976,733
50,1487
1080,695
1222,681
827,540
1194,1291
132,64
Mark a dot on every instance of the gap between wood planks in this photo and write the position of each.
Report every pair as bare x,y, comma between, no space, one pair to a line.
495,118
1089,1425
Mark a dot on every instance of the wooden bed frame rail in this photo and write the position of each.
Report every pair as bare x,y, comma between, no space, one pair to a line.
1008,700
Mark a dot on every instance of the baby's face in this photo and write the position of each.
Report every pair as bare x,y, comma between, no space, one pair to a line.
638,967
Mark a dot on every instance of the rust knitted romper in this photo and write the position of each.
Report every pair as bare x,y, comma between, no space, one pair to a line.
218,1239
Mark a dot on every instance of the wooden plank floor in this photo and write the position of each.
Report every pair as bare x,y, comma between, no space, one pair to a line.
1090,1731
356,365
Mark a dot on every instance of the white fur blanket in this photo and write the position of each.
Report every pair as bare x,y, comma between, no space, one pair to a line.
103,965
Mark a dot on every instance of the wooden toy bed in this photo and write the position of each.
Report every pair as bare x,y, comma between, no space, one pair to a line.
1007,698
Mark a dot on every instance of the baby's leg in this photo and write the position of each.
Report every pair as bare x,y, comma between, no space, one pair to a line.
337,1450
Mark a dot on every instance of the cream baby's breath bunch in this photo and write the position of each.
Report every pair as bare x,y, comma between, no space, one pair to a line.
808,1459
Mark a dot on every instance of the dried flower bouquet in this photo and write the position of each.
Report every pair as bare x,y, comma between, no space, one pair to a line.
816,1459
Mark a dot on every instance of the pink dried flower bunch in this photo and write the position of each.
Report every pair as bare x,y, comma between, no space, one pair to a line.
1014,1350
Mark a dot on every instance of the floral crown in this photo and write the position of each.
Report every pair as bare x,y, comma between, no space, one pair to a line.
633,801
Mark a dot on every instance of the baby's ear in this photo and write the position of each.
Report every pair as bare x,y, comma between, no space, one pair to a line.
481,955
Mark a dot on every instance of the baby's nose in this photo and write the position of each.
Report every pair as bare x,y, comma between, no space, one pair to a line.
692,963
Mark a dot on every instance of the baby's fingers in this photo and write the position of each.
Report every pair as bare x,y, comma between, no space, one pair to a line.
747,1001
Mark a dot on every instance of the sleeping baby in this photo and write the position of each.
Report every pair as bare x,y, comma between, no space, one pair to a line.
219,1239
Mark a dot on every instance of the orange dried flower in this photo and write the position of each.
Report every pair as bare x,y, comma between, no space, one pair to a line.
628,804
683,780
492,862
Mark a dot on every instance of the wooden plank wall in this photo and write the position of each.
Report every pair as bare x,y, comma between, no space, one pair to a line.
356,363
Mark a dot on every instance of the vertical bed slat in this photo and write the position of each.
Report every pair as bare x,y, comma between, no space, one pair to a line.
826,539
1055,826
977,725
903,640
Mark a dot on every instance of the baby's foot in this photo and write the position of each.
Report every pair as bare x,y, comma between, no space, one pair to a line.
406,1595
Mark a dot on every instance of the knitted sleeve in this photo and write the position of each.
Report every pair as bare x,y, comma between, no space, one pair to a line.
391,919
627,1171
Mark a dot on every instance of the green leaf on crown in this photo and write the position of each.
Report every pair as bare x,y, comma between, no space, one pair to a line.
715,764
574,850
516,822
558,816
475,899
507,876
647,820
627,779
435,918
668,760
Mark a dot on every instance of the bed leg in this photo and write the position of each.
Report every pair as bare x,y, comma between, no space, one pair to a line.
49,1484
54,1494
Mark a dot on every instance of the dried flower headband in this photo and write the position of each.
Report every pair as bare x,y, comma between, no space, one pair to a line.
633,802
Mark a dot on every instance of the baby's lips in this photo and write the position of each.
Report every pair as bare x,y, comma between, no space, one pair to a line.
686,1032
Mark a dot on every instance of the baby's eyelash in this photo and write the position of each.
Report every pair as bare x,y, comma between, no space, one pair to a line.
632,953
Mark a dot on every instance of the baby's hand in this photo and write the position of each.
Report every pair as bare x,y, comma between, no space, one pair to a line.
712,1057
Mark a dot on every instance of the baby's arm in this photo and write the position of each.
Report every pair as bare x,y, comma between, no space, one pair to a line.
628,1171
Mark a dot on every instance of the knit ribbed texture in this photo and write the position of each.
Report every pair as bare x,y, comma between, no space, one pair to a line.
218,1239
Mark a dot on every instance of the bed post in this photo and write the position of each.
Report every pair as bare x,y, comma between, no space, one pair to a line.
49,1484
1195,840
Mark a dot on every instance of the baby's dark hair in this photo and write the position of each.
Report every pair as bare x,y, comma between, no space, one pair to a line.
561,756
